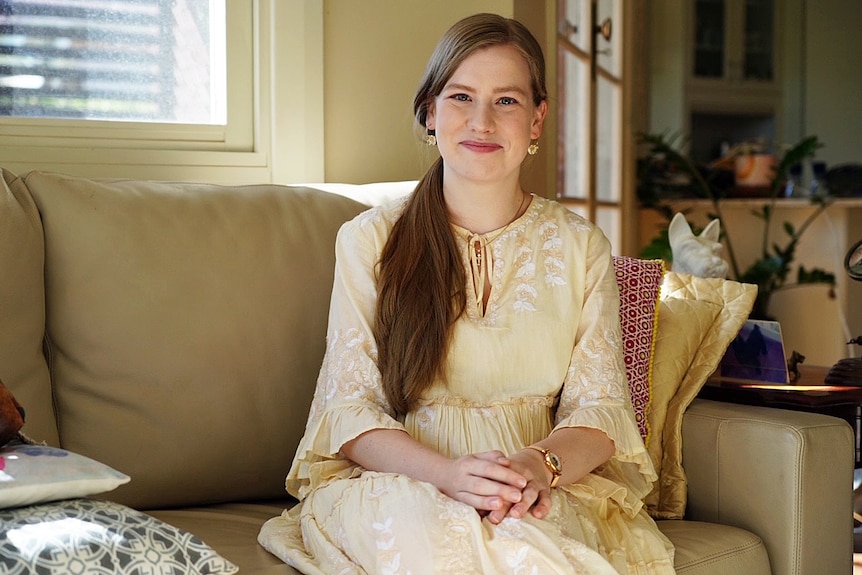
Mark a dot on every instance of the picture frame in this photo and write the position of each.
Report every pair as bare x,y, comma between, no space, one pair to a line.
756,354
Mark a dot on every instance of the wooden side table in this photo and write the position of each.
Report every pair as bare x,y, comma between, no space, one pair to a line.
808,393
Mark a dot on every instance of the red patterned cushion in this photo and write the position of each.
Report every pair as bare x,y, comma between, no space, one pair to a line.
639,282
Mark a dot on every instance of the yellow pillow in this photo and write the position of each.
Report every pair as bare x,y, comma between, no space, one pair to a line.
682,324
698,318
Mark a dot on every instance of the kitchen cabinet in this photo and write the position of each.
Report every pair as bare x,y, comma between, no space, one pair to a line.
733,41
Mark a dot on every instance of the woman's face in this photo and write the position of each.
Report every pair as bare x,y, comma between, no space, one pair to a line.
485,117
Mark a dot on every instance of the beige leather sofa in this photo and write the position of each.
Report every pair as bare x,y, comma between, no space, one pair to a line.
174,333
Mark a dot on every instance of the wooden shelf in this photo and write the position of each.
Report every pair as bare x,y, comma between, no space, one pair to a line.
780,202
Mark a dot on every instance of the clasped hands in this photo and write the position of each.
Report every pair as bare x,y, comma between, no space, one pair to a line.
500,486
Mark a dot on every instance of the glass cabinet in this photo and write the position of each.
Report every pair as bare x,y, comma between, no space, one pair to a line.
733,41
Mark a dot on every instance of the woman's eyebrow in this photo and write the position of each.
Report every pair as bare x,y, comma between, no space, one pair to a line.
498,90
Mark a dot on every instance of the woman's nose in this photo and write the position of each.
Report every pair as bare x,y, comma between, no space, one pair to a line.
482,118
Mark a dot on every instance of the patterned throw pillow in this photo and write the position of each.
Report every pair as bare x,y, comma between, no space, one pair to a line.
639,283
100,538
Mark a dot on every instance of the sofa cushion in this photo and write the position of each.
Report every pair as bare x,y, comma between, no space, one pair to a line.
22,308
713,549
186,325
100,538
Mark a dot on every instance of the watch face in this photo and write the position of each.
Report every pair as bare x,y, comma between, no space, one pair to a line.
555,461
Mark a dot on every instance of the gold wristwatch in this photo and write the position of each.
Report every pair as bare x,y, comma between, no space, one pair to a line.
552,462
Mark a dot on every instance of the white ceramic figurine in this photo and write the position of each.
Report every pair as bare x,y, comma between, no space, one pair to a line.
696,255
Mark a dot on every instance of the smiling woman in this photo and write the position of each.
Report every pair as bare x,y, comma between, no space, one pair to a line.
431,391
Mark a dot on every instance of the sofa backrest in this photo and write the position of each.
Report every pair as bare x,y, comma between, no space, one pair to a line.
185,328
23,368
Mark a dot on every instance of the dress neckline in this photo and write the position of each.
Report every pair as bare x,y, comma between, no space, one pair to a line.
481,260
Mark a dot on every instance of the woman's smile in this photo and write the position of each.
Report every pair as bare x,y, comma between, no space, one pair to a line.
481,147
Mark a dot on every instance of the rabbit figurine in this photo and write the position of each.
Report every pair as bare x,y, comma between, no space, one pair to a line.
696,255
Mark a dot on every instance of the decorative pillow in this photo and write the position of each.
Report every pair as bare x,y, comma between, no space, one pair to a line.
38,473
734,301
682,325
100,537
639,283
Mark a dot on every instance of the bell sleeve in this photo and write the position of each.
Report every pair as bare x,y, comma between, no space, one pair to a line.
595,392
348,399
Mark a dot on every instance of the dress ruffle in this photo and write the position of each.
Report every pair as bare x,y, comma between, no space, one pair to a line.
631,465
318,460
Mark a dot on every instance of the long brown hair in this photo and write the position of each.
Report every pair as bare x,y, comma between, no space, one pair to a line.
421,279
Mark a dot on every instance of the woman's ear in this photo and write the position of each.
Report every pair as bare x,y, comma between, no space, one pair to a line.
430,120
538,120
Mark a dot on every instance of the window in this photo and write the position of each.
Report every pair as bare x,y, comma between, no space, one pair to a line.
131,60
270,126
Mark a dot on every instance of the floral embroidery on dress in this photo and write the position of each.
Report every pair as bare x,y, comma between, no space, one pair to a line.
349,371
594,374
389,556
552,253
426,417
525,272
391,211
456,552
578,223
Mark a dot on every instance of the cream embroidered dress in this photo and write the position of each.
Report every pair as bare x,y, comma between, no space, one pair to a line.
545,354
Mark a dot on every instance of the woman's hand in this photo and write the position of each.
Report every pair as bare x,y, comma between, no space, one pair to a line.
484,481
535,495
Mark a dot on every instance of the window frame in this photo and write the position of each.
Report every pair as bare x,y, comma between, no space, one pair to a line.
266,114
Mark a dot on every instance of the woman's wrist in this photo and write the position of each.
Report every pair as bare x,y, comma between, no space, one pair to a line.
551,461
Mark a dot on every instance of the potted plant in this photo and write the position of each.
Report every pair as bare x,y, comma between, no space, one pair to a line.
665,173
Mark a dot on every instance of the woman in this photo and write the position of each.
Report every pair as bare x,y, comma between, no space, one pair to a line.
472,413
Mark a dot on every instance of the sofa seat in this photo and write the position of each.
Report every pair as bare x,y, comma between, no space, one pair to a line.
231,529
711,549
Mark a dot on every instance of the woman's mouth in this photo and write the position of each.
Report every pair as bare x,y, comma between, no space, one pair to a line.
481,147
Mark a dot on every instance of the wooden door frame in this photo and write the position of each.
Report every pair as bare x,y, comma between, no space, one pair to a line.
540,16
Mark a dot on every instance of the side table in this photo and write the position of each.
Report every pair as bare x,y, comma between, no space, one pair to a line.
808,393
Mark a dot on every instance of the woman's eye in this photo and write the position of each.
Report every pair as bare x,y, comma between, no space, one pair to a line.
461,97
507,101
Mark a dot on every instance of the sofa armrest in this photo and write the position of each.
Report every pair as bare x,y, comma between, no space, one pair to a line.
786,476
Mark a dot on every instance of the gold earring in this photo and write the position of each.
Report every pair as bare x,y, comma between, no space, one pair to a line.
533,149
430,138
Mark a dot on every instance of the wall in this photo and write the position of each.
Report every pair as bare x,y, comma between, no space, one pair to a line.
833,78
375,52
666,63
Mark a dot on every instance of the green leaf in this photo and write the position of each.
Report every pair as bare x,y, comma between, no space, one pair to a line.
814,276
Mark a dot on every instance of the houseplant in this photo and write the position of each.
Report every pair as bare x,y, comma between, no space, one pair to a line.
666,173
